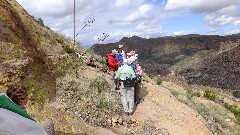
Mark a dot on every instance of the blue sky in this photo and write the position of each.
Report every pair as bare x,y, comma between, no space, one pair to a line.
143,18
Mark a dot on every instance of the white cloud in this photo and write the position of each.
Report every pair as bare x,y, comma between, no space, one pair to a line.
199,5
141,13
225,16
148,29
121,3
179,33
121,18
233,31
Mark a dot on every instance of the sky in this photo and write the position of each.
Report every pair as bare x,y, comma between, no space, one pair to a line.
143,18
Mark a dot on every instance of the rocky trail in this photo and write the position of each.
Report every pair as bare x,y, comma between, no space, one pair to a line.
158,113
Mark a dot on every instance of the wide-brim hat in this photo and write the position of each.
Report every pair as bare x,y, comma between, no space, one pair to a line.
131,53
120,46
114,51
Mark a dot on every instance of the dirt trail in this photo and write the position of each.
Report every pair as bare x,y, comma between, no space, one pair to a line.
158,106
161,107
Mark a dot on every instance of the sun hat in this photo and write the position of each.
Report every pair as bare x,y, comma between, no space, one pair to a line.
120,46
114,51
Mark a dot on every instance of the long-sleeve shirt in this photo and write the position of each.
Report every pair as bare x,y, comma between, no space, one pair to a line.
113,64
119,59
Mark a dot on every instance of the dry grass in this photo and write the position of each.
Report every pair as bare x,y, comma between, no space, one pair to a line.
208,103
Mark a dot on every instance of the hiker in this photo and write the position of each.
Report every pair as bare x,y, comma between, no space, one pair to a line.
132,56
119,58
137,86
113,67
15,118
127,77
120,49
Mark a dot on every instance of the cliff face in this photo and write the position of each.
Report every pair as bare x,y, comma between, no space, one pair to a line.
208,60
25,45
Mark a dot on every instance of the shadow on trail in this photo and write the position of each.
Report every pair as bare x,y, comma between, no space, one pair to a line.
142,92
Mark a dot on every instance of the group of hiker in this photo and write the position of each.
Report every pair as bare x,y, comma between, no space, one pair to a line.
126,76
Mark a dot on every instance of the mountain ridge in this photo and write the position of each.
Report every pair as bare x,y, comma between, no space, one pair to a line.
163,55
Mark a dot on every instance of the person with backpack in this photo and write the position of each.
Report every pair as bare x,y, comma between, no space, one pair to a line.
119,58
14,119
132,57
120,50
113,67
127,76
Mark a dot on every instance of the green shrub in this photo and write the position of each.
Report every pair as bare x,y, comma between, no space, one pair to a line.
68,49
159,81
235,110
210,94
196,94
98,84
60,40
103,68
105,104
193,93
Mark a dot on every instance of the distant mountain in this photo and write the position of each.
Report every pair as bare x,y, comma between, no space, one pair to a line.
209,60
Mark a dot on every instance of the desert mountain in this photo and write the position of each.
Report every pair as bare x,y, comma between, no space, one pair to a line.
209,60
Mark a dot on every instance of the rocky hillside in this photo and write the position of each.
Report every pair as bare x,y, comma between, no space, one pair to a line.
208,60
26,46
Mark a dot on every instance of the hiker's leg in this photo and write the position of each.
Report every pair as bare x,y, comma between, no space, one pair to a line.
123,93
130,98
112,74
117,84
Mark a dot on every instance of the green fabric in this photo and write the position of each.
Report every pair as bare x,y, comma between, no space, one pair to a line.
125,72
8,104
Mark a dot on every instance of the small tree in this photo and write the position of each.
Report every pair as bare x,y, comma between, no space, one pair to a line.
68,49
40,21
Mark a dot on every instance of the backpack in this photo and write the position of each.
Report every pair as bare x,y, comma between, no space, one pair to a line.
129,82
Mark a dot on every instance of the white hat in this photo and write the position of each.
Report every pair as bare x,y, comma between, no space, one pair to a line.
114,51
120,46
